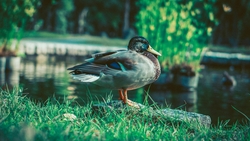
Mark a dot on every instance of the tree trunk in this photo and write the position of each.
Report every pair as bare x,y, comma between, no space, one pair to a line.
125,30
82,20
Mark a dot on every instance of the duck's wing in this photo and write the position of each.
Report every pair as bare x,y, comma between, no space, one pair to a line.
102,63
103,54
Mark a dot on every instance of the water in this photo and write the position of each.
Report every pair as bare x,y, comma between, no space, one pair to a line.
42,77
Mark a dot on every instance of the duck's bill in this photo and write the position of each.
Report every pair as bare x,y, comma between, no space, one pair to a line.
150,49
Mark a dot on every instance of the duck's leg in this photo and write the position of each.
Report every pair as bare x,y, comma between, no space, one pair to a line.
121,95
125,100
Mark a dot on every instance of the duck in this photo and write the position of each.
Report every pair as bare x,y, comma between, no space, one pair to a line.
228,80
121,70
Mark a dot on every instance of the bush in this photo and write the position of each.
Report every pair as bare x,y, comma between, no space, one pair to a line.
14,14
178,30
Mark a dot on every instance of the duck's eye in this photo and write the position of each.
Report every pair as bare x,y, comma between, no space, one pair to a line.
145,47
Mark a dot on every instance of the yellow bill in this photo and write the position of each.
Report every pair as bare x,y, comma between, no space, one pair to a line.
150,49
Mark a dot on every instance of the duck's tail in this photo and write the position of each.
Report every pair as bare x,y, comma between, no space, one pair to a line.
85,77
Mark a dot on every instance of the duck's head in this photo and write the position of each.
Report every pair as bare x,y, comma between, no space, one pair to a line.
140,45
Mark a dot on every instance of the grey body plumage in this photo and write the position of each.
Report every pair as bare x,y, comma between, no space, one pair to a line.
123,69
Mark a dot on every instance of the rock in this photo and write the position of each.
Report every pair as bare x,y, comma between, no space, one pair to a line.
179,115
167,114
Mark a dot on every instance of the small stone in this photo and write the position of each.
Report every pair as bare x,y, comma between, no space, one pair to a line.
70,117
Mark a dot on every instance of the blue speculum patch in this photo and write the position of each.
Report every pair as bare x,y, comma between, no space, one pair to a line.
117,66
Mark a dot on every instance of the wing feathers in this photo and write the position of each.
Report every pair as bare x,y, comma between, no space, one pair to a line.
87,68
104,63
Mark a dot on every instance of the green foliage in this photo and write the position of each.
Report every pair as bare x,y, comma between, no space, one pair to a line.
102,16
178,30
63,10
52,120
53,15
14,14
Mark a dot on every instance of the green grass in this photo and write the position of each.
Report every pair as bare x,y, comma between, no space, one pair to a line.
74,38
23,119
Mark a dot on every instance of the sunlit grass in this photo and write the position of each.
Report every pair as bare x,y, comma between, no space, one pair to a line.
23,119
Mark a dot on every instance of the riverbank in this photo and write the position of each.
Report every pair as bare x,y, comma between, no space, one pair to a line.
52,47
44,43
28,120
230,57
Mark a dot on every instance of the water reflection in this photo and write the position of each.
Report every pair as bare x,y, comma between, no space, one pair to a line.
217,101
176,99
43,76
9,79
2,78
12,78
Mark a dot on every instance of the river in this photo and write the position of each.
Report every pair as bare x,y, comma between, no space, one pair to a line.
47,76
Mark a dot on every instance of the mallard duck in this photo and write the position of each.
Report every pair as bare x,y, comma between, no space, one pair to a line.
228,80
121,70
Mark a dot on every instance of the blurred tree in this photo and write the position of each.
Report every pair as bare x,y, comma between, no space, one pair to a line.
226,20
113,18
233,23
46,14
79,16
102,17
63,10
125,29
14,15
82,20
55,14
